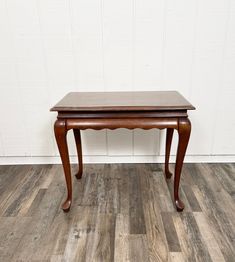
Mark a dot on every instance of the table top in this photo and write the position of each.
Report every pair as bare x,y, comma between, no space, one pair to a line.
123,101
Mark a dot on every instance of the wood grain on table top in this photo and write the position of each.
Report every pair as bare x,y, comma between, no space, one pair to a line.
123,101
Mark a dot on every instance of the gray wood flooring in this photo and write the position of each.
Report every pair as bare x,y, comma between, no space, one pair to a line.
120,212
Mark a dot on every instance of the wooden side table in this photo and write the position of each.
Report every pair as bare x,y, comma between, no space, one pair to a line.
146,110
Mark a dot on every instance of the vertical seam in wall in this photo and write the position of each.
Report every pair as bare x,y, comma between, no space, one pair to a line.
133,61
164,40
46,70
1,135
133,42
160,135
221,81
103,66
107,147
157,146
102,40
133,140
75,83
1,145
193,48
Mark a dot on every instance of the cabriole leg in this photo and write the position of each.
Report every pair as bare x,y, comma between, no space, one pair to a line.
61,139
184,130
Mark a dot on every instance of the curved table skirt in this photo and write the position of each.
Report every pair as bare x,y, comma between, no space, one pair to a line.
129,123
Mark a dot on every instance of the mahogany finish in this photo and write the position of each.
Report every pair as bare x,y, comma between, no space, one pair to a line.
61,139
77,136
146,110
123,101
169,135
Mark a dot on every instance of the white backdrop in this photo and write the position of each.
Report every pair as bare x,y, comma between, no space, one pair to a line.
51,47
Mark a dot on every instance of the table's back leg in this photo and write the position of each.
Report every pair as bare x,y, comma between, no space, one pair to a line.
61,139
77,136
169,134
184,130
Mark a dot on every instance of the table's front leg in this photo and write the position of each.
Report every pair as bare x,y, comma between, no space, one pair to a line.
184,130
77,136
61,139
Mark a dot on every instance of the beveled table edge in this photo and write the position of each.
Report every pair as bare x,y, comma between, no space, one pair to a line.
122,108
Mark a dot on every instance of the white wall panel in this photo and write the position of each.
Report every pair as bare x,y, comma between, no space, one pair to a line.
38,125
148,36
54,17
163,142
223,136
6,45
2,153
179,39
120,142
60,71
207,71
23,17
89,65
118,67
15,137
86,32
87,36
179,43
146,142
51,47
117,44
8,74
94,142
31,73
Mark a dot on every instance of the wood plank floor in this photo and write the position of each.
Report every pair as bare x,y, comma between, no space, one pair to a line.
120,212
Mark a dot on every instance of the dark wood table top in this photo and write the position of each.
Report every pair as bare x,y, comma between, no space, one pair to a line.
123,101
